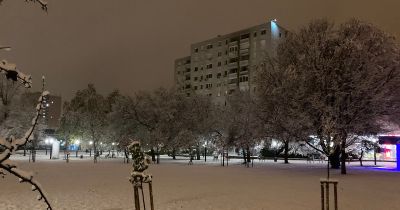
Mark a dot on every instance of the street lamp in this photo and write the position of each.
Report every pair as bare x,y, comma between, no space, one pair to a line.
77,142
205,151
49,141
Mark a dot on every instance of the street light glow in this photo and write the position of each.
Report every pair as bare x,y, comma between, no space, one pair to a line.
77,142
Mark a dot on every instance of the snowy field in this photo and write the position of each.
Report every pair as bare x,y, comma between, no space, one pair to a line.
268,185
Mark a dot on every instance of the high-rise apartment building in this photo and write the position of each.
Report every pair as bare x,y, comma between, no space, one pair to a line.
218,66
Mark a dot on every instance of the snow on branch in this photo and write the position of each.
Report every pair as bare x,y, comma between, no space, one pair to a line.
11,144
42,3
11,73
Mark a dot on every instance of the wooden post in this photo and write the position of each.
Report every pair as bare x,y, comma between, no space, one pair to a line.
322,197
325,197
136,194
151,195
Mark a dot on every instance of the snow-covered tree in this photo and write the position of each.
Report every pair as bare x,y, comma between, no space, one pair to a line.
91,108
347,80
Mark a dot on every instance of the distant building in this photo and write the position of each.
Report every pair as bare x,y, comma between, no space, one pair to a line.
218,66
52,111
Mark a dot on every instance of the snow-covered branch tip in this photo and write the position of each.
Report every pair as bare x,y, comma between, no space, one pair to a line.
11,73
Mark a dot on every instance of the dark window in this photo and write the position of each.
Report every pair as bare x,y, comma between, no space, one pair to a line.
280,35
210,46
219,63
196,50
231,71
201,86
226,62
233,60
196,69
245,36
219,75
187,77
209,66
195,78
209,76
195,87
255,34
219,54
263,32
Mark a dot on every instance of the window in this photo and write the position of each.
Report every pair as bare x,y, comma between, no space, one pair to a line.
255,34
201,86
209,66
226,41
233,60
219,54
219,43
201,68
225,73
232,71
179,72
219,75
243,78
219,63
226,62
187,94
187,69
233,48
201,77
195,78
209,76
196,50
263,32
187,86
209,46
187,77
195,87
245,36
226,52
208,86
196,69
280,35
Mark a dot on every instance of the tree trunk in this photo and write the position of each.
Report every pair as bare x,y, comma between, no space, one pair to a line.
158,156
173,154
343,156
153,155
361,156
244,156
286,155
334,158
198,152
248,156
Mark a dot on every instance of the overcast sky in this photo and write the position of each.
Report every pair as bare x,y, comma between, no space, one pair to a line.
132,44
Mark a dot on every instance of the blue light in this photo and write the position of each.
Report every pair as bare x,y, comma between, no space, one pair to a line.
398,156
274,28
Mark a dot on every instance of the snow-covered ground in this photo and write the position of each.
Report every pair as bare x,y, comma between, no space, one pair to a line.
81,184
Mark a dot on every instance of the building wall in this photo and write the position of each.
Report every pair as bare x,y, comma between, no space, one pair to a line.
215,67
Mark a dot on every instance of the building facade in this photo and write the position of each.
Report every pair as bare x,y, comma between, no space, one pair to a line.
218,66
51,112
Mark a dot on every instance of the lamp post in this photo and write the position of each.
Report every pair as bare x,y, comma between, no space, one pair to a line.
205,151
77,142
90,150
49,141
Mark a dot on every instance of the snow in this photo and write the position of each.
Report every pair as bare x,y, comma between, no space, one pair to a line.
81,184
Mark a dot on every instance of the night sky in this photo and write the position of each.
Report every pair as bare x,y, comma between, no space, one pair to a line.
132,44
